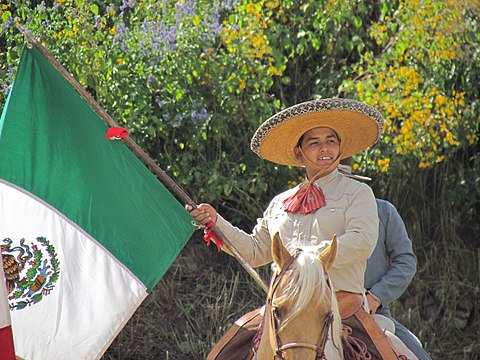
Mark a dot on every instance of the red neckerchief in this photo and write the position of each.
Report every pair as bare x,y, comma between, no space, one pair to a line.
307,199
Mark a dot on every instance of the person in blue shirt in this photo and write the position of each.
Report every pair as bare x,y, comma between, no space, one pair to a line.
390,268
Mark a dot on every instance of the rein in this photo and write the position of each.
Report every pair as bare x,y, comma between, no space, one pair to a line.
327,326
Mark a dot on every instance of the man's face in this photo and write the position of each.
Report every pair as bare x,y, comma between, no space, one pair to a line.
321,145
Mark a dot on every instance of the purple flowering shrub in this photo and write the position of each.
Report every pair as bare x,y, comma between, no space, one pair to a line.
191,80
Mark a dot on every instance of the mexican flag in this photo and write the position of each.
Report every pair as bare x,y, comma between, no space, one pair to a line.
86,230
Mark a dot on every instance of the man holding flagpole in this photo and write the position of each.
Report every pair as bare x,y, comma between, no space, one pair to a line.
317,135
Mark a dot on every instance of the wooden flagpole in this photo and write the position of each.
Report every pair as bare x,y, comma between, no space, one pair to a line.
137,150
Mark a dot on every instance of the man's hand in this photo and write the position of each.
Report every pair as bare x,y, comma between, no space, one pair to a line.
204,213
373,302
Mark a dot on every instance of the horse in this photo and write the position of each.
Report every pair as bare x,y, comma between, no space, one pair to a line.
301,320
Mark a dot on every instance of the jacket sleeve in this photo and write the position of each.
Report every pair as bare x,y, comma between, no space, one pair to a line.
254,247
403,262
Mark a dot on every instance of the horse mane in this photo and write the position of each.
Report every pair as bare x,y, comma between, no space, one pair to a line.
306,278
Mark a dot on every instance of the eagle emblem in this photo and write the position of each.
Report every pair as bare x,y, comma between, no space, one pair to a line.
31,271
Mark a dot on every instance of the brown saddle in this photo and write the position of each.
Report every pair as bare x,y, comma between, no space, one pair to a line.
237,343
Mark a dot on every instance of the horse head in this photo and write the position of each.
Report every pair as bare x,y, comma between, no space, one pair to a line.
301,312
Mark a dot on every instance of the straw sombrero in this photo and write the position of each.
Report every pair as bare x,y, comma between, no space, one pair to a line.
358,125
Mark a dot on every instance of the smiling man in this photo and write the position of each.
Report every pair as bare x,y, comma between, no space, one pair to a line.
316,135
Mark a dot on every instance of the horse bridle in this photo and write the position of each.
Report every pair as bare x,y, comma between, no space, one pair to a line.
319,348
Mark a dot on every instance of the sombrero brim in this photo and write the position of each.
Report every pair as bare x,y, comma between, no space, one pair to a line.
358,125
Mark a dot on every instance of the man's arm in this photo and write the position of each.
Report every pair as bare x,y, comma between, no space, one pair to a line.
399,251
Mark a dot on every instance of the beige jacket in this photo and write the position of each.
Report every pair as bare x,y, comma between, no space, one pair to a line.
350,213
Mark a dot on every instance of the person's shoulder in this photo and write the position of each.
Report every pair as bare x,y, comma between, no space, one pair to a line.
384,204
386,208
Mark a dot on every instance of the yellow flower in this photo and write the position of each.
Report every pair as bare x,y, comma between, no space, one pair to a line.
360,88
243,84
120,60
257,41
292,184
383,164
472,140
113,30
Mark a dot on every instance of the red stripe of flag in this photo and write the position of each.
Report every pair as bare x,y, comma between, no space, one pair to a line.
7,352
6,340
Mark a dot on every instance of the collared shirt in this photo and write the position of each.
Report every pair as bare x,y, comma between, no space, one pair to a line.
350,213
393,263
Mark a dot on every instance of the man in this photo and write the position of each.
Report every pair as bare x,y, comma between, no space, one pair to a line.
317,135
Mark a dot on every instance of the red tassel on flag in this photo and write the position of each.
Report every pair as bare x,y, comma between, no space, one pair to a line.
116,133
210,235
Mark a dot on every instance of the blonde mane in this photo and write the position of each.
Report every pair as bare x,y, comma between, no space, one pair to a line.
306,278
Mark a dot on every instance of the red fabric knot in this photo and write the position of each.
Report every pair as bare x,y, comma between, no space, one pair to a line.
309,198
116,133
209,235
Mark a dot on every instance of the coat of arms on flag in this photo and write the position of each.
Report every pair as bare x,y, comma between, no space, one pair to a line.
31,270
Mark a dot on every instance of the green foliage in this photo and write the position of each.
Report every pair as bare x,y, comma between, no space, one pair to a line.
189,80
427,53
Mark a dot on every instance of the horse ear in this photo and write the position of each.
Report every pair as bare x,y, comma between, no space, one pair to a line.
279,252
329,255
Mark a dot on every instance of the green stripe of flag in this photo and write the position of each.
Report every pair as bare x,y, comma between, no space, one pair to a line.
53,145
